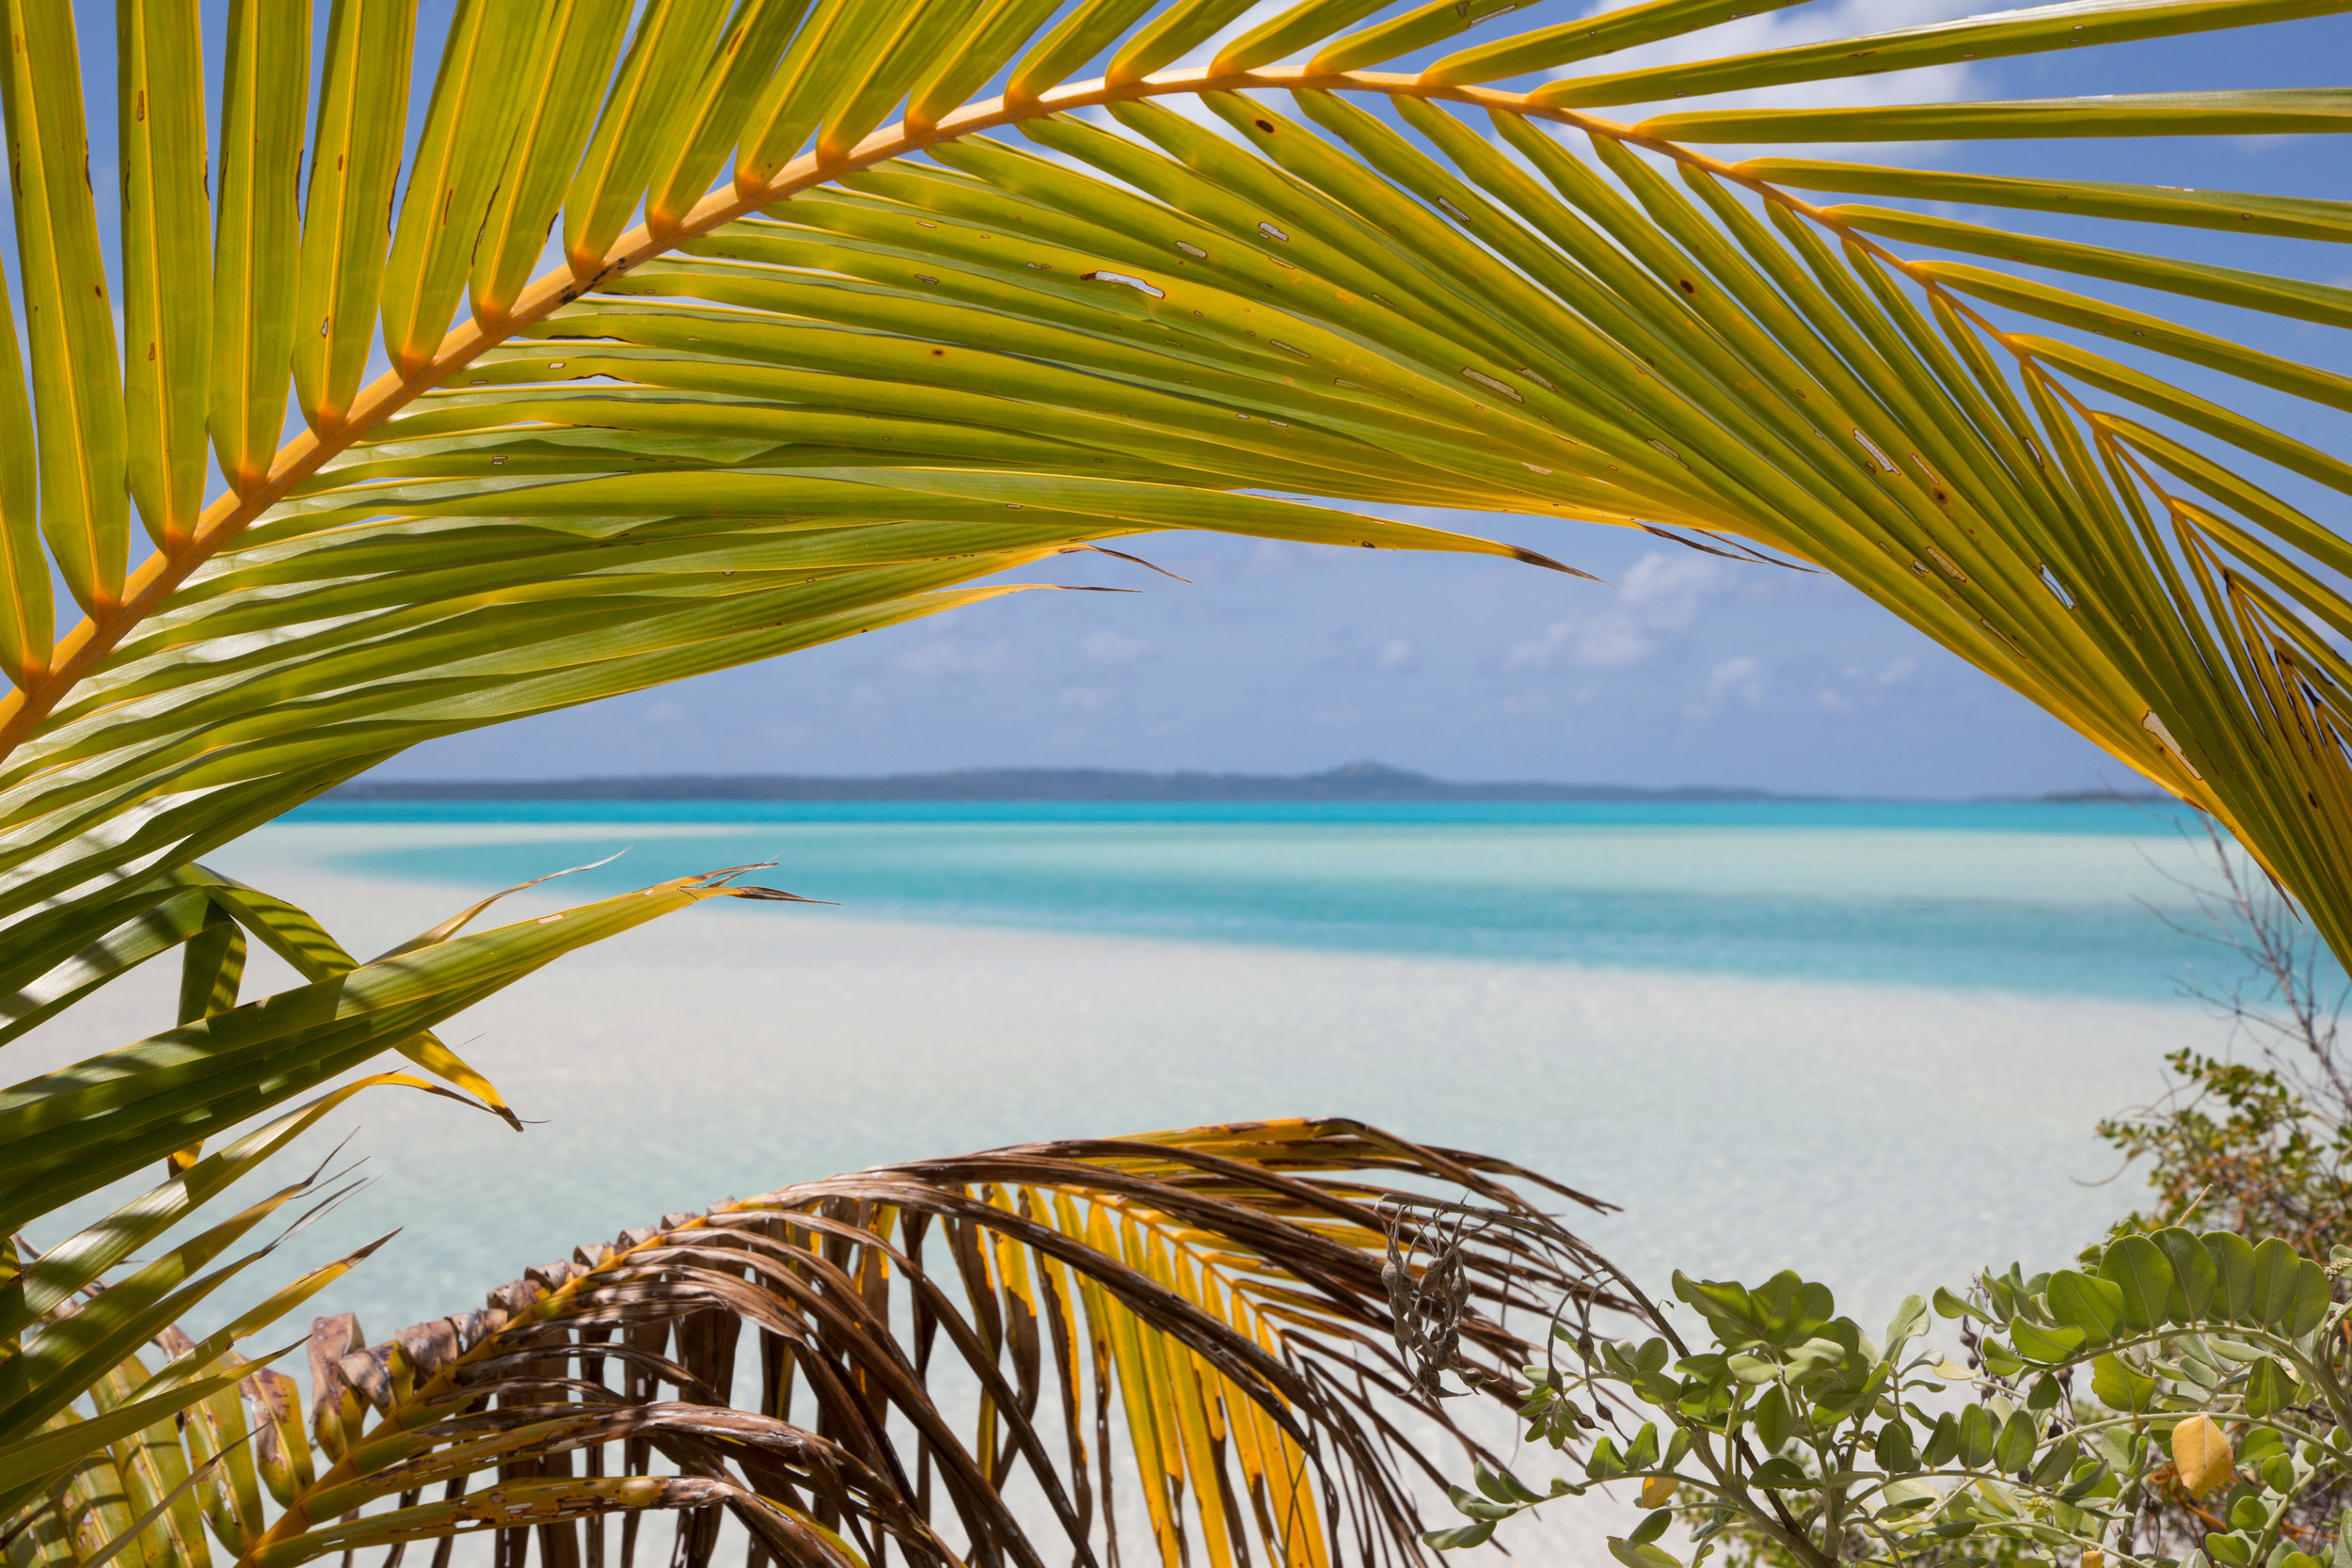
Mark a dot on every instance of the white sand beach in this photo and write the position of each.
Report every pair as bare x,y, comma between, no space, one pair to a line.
1880,1138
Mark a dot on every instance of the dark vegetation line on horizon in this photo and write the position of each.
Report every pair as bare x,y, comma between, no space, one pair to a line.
1356,782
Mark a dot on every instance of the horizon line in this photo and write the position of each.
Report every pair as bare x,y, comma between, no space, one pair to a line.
1360,782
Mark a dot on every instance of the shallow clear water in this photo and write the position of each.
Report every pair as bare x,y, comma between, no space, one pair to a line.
1870,1042
2037,898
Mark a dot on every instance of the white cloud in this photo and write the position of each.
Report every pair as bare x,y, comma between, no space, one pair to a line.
1894,674
1864,687
1397,654
1109,647
1086,699
1660,599
945,656
1739,678
1540,652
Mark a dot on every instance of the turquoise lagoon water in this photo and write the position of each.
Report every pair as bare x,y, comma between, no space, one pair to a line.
2039,898
1869,1042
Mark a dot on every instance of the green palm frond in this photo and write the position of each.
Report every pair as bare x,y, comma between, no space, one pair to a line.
835,333
711,331
73,1132
1001,1358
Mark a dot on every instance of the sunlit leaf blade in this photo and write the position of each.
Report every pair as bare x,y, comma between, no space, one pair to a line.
2198,413
220,1442
997,32
2135,326
355,155
1089,27
557,94
167,262
2254,291
468,127
78,379
2070,24
2254,112
1166,38
756,38
927,36
2239,212
651,94
25,610
206,913
834,51
214,967
265,86
1401,34
1586,37
1296,26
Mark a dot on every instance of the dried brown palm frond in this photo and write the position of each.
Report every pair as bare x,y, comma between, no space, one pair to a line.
1004,1357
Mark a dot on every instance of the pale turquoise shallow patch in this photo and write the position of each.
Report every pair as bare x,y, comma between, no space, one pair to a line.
2049,899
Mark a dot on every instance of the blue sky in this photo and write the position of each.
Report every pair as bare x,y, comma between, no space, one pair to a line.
1283,658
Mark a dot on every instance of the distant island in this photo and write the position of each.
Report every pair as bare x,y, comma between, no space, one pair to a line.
1361,781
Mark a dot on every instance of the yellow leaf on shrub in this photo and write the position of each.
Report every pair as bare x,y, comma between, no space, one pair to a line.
2201,1455
2094,1558
1658,1491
